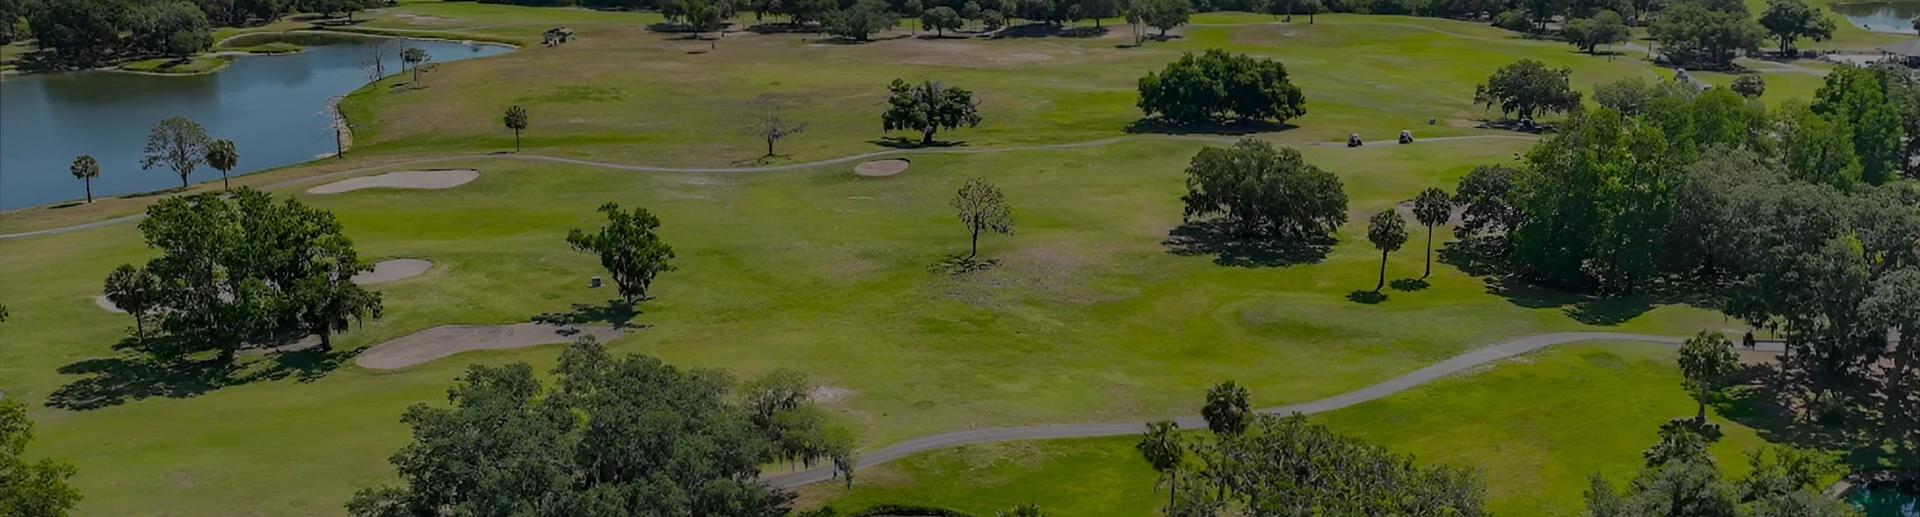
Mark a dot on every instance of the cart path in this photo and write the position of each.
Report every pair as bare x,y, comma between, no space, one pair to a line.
1436,371
728,170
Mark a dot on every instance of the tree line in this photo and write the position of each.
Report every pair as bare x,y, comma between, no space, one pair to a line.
83,33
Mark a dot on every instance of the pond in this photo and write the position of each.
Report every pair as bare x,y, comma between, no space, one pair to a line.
271,107
1881,16
1887,499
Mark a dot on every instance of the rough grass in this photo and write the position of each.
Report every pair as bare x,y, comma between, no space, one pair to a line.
1536,425
171,66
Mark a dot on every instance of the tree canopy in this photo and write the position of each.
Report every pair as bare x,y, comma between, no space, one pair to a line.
177,144
861,20
29,488
982,208
1216,86
929,107
1526,88
1260,189
629,249
1605,28
1790,20
1694,36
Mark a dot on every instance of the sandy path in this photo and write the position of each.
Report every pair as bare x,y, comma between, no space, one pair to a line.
427,179
446,340
1436,371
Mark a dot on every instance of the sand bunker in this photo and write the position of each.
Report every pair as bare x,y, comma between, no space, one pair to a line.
390,270
446,340
104,303
431,179
881,167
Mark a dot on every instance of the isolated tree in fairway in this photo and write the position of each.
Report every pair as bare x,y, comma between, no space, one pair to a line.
1789,20
1265,190
628,248
135,291
625,436
773,125
860,21
1387,231
1165,14
178,144
1161,446
929,107
1227,410
222,156
1605,28
516,120
1433,207
941,19
416,58
1749,85
86,169
1216,85
1527,88
1706,360
29,488
982,208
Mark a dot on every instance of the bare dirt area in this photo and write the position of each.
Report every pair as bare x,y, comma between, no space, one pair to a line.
390,270
878,168
446,340
427,179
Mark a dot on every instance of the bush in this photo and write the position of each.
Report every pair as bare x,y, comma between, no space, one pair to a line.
1216,85
1750,85
911,510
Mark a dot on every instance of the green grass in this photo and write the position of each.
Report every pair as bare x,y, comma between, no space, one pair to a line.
171,66
1536,425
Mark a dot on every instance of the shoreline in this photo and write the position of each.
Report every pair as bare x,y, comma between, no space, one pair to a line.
231,55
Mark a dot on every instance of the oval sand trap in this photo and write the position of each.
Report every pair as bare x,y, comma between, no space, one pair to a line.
390,270
104,303
446,340
881,167
432,179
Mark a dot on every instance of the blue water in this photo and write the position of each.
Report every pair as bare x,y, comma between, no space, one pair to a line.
1881,16
269,106
1887,499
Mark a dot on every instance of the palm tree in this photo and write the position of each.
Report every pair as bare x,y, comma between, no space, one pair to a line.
1227,410
1387,231
85,168
222,156
136,291
516,120
1162,449
1022,510
1433,207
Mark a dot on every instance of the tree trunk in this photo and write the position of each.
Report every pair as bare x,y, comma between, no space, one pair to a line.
183,181
1383,272
516,140
89,183
926,136
223,180
226,354
1173,488
1701,417
339,145
1423,276
140,327
326,341
976,244
770,147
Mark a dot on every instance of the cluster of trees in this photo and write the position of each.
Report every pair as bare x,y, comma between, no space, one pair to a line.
29,488
240,269
176,144
91,32
1257,190
611,436
1792,219
1217,86
1681,478
1270,465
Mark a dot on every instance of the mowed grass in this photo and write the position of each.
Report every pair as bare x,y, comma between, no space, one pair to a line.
1536,425
1089,317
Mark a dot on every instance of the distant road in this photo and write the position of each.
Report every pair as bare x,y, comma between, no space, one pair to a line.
722,170
1395,385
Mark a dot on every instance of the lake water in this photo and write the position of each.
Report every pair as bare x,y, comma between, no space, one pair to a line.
1886,499
269,106
1881,16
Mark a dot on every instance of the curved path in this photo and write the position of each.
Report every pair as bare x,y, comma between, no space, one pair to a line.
719,170
1417,377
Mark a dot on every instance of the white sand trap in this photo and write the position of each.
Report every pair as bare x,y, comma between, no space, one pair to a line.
390,270
429,179
104,303
881,167
446,340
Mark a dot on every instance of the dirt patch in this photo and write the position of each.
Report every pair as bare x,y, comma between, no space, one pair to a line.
446,340
390,270
879,168
104,303
428,179
829,394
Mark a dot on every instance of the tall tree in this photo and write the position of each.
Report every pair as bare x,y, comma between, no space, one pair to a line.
1698,37
81,33
1227,411
86,169
861,20
416,58
1605,28
516,120
1164,452
1166,14
1263,190
222,156
912,9
1433,207
1527,87
614,436
773,125
1857,97
628,248
1706,360
929,107
136,291
1215,86
982,208
1387,231
30,488
177,143
941,19
1790,20
329,302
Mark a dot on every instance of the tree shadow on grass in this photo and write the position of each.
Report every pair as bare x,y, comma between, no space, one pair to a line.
957,265
1480,258
1757,400
1366,297
1229,128
1408,285
616,312
111,381
1236,249
897,142
1042,30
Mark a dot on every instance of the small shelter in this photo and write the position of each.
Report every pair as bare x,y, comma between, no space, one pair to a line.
556,36
1907,52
